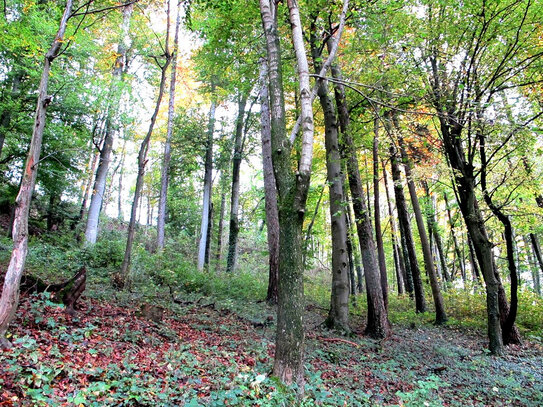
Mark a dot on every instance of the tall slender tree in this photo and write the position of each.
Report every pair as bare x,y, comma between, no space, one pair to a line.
95,207
233,233
203,246
122,278
10,291
166,158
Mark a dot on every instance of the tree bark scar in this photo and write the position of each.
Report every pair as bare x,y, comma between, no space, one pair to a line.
29,166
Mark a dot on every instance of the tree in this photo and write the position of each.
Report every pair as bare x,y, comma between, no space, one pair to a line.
164,173
378,324
203,247
405,230
234,202
338,316
122,278
270,189
441,316
93,216
10,291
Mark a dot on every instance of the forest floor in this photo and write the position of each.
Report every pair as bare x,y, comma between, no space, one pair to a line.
206,353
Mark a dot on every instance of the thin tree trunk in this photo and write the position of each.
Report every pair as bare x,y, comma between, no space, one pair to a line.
401,272
88,184
378,324
10,292
120,192
434,231
206,203
510,334
222,208
338,316
539,267
352,272
122,278
455,241
93,216
270,190
377,214
405,229
164,172
441,315
233,234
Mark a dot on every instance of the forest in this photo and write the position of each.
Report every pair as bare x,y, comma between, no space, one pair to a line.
271,203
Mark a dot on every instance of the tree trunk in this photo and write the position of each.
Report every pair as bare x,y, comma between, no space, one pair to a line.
407,237
87,187
233,233
338,316
441,315
378,324
377,214
120,192
352,273
473,259
535,267
401,272
164,172
270,190
208,169
510,334
95,207
455,241
222,208
122,278
434,231
10,292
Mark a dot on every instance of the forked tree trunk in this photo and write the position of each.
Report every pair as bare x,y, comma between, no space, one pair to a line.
270,189
405,229
338,316
508,313
122,278
95,207
441,316
233,233
10,292
378,324
164,172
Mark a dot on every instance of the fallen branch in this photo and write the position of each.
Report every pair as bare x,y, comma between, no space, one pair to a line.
322,338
